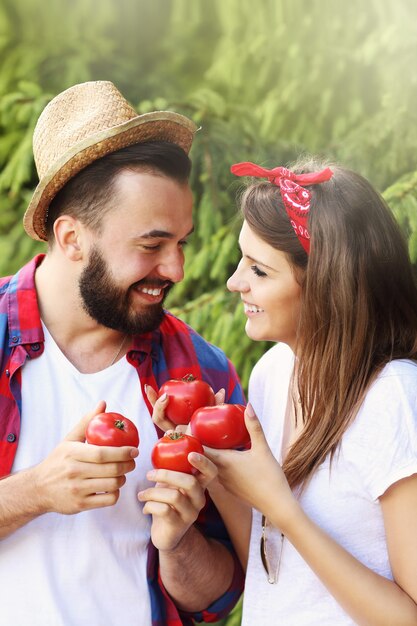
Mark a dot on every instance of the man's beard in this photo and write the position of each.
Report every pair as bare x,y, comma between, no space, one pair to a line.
110,305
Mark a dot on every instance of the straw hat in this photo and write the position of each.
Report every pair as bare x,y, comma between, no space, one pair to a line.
83,124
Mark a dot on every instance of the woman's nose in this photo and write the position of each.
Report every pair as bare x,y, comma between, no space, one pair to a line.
237,283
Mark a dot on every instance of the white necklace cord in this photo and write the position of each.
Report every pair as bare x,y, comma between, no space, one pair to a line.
119,349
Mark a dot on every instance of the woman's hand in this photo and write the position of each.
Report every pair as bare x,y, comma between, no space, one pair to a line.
255,474
160,405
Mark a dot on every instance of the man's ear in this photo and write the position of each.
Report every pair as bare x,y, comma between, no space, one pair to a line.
68,233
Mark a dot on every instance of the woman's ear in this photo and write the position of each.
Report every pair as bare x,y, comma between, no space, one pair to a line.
68,237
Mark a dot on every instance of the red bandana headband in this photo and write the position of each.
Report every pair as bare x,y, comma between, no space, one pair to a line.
296,199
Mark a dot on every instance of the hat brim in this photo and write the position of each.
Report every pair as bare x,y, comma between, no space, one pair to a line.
155,126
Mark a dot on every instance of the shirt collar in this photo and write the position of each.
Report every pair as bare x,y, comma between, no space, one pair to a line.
25,321
146,344
22,307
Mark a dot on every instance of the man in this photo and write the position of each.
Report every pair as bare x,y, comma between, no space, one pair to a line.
82,330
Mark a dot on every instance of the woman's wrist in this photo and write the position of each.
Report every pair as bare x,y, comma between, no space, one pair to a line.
286,518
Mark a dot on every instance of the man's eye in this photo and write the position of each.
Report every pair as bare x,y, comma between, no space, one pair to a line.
255,269
156,247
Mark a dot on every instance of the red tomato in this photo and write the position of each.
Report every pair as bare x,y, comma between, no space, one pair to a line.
111,429
221,426
185,396
171,452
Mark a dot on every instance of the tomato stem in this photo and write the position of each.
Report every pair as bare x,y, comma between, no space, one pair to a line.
188,378
176,435
119,424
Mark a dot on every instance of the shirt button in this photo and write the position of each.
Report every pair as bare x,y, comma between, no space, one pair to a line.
35,347
15,339
11,437
7,373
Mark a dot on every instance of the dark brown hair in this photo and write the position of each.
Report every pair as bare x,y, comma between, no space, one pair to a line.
358,301
88,196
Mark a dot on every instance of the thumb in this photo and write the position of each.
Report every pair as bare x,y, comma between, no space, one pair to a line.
254,427
220,396
151,394
78,432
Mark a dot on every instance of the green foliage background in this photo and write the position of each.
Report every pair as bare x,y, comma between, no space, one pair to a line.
265,81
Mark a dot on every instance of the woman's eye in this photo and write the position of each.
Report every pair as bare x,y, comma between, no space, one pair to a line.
255,269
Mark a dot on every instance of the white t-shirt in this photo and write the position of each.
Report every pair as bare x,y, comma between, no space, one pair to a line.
87,569
378,449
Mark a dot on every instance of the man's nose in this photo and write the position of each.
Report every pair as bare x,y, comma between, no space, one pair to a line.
172,266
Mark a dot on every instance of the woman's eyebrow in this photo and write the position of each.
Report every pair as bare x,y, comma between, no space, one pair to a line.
260,262
255,260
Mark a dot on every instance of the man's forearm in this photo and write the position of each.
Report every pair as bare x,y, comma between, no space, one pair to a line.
19,503
197,572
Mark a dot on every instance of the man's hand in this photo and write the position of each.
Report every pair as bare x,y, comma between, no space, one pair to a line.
176,500
74,477
77,476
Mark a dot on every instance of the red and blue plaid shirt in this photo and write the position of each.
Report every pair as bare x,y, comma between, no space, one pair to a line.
172,351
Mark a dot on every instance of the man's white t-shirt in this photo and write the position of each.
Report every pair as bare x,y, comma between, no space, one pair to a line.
378,449
87,569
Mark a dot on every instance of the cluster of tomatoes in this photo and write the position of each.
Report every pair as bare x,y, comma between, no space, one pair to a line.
190,401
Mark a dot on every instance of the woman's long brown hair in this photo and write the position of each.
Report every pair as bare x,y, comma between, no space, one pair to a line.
359,302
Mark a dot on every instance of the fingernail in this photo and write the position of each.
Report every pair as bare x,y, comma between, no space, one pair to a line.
146,388
134,453
249,410
151,475
163,397
195,456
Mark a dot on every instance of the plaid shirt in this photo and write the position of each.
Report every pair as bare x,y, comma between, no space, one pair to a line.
172,351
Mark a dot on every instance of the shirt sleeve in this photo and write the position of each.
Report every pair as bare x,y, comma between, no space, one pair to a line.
164,611
211,525
385,429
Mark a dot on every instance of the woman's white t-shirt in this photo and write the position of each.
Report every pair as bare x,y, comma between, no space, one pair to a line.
378,449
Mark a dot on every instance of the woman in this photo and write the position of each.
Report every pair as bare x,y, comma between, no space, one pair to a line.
331,475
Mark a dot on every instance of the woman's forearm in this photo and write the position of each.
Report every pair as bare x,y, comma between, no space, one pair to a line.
370,599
